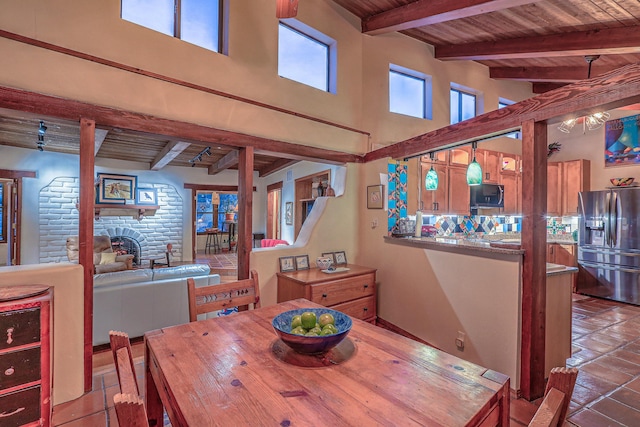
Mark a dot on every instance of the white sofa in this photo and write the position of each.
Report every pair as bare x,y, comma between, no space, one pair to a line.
137,301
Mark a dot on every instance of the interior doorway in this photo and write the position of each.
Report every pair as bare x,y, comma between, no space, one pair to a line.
10,214
274,202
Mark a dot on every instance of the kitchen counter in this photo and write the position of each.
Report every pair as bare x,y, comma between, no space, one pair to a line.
557,269
476,247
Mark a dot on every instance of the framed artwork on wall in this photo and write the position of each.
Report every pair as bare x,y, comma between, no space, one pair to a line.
146,196
374,196
288,213
116,188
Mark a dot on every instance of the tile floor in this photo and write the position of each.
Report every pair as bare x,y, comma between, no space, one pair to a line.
606,349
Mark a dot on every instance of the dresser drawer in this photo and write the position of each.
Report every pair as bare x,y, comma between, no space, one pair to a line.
363,308
338,291
20,408
19,367
19,327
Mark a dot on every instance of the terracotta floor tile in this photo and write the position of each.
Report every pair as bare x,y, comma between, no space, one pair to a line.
583,395
617,411
634,385
628,397
594,383
621,364
88,404
596,345
522,411
606,372
99,419
589,418
583,356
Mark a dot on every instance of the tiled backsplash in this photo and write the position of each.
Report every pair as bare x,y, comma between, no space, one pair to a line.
488,224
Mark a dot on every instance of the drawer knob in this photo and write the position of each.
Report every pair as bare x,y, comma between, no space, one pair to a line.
9,335
365,309
9,371
324,295
366,286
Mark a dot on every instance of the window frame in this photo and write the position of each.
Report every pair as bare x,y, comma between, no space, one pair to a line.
427,93
503,102
318,37
478,104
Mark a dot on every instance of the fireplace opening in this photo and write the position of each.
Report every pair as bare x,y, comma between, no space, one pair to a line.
123,245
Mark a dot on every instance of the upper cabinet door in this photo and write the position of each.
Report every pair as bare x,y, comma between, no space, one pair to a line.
490,162
460,156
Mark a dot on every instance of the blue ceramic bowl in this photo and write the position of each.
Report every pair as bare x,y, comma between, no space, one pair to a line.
311,345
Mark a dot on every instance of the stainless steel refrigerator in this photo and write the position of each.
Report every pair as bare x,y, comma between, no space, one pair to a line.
609,244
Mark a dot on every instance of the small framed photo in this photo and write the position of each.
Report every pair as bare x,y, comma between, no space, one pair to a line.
330,255
146,196
287,263
374,196
116,188
288,213
340,257
302,262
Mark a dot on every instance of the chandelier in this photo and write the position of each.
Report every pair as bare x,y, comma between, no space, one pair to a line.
591,122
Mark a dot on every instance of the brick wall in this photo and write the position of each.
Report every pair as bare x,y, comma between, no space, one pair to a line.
58,219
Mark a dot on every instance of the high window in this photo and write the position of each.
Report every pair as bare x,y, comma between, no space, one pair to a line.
463,104
409,92
195,21
212,207
306,55
501,104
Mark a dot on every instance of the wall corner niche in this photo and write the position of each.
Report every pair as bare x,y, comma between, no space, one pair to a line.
307,190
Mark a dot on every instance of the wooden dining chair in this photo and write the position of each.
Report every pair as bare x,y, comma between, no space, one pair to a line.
206,299
130,410
123,359
557,396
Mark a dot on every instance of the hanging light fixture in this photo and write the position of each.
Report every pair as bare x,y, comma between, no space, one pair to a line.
42,129
431,180
474,170
592,122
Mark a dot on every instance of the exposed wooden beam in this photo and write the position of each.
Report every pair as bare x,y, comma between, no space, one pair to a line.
16,99
275,166
294,156
213,187
229,160
12,174
611,90
548,74
286,9
100,135
429,12
168,153
594,42
539,88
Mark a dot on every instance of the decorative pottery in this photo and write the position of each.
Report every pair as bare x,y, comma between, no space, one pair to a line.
314,344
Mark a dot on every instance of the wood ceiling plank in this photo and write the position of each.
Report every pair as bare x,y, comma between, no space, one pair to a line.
286,9
428,12
276,166
229,160
168,153
544,74
615,40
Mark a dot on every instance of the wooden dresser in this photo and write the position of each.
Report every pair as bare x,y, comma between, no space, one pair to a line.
25,382
352,292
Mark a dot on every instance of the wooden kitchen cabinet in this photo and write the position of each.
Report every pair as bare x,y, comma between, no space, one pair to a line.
575,178
351,292
512,193
435,201
459,194
554,191
563,254
490,162
25,349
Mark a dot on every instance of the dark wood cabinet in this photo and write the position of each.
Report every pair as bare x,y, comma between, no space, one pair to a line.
351,292
25,355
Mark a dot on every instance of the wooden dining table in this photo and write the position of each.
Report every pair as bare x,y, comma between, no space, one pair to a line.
235,371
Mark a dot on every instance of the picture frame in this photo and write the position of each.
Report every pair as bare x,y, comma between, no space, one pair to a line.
116,188
146,196
340,258
375,198
330,255
287,263
288,213
302,262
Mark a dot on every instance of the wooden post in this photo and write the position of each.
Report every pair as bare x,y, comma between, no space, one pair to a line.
245,211
85,238
534,272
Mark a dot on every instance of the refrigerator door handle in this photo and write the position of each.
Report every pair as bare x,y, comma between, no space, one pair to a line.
607,220
614,219
607,267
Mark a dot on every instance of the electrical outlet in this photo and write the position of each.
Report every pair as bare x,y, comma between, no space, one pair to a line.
460,340
374,223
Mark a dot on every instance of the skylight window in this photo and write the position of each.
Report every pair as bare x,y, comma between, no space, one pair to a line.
306,56
409,92
195,21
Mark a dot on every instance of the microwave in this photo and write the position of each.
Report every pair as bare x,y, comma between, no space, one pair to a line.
486,196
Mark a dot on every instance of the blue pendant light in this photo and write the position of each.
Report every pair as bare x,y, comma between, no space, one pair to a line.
431,180
474,171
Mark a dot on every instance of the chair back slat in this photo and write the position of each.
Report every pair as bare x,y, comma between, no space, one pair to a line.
206,299
557,397
130,410
123,360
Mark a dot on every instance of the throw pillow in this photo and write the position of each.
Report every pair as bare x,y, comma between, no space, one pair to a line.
107,257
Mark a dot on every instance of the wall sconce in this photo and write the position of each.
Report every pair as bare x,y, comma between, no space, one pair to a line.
474,170
431,180
42,129
198,158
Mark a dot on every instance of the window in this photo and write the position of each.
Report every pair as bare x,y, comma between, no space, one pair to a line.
195,21
211,208
463,105
3,213
306,56
501,104
409,92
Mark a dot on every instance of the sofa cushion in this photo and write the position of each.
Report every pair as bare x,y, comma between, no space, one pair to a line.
107,257
191,270
122,277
